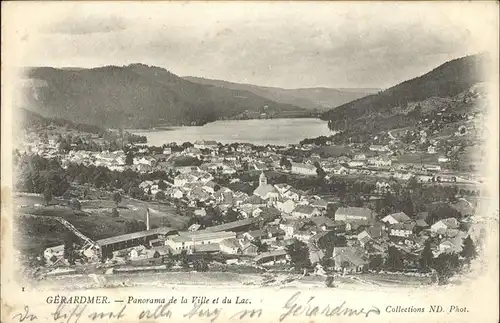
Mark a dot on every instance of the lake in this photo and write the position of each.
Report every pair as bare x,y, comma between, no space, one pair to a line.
258,132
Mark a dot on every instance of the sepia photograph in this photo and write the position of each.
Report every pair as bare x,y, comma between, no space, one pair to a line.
247,153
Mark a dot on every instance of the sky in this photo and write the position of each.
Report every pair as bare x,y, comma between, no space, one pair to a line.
289,45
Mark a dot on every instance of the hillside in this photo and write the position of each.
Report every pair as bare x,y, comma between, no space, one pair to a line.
395,106
308,98
138,96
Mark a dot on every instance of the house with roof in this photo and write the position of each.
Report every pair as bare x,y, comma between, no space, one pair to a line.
266,191
282,187
394,218
292,194
319,203
382,187
305,211
254,235
248,248
380,161
272,257
464,207
210,187
303,169
379,148
323,223
190,240
340,170
404,229
290,226
369,234
359,157
198,194
52,254
353,214
205,144
347,260
445,224
230,246
285,205
183,179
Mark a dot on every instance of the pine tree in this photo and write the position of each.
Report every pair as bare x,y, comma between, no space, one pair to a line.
299,254
469,251
426,257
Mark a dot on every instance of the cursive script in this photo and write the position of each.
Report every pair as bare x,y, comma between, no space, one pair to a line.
25,316
292,308
62,314
198,311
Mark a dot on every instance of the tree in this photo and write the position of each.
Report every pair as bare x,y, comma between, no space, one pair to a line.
200,265
114,213
160,196
376,262
299,254
68,254
469,251
446,265
117,198
394,259
162,185
76,205
261,246
129,159
426,257
184,259
47,195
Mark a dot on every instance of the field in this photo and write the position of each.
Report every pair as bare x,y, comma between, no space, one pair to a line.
37,230
332,151
423,158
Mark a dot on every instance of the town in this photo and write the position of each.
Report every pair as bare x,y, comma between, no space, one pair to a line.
397,203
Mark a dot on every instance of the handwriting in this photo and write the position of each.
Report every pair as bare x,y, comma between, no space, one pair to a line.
160,311
294,309
199,312
66,316
107,315
25,316
247,313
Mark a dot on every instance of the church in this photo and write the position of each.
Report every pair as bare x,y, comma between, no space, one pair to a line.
266,191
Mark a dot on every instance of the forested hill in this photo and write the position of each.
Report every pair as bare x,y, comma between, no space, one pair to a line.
318,98
136,95
389,109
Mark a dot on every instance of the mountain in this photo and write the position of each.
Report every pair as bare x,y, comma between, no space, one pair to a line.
139,96
319,98
394,107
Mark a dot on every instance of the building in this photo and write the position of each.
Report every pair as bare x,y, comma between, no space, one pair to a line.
189,240
347,261
107,246
235,226
349,214
379,148
402,229
205,144
272,257
303,169
53,253
339,170
230,246
266,191
286,205
305,211
445,224
394,218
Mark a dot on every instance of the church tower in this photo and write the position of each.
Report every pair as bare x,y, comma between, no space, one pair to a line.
262,179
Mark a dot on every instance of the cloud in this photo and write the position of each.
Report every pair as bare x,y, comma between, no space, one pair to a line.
86,25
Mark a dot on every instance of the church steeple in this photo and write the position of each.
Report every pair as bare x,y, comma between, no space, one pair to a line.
262,179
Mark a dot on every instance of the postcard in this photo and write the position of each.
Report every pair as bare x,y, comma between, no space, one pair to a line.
249,161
